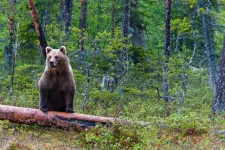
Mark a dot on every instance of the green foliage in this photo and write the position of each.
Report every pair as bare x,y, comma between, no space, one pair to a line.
142,83
192,3
116,137
181,26
189,124
25,86
56,37
17,146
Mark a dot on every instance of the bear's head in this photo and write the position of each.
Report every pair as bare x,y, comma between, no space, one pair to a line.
55,57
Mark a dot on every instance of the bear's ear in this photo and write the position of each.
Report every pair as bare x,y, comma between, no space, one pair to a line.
48,49
63,49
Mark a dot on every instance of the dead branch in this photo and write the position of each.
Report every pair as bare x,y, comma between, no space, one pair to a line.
40,33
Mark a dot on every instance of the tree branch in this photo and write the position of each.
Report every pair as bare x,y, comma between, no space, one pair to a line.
40,33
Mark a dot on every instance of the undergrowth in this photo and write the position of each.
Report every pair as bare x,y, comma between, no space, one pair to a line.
193,128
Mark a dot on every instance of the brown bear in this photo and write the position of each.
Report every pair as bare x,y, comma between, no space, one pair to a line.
57,84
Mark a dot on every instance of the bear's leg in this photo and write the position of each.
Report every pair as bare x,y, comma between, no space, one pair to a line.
43,100
69,95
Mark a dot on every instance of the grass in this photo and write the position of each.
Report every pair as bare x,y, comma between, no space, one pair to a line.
193,128
33,137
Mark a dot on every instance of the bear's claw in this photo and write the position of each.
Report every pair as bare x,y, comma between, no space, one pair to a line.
44,110
70,111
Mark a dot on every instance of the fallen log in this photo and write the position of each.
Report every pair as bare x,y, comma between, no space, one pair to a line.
59,119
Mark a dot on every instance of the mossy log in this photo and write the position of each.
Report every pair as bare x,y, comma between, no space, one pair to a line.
59,119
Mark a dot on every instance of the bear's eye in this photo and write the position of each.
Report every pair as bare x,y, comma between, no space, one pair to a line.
56,57
50,57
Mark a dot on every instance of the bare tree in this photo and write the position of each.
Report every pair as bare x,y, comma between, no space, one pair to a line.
40,33
166,51
66,15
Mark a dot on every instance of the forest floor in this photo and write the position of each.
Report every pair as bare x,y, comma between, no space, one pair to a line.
32,137
192,128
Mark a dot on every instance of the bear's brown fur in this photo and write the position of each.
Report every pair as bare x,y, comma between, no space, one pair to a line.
57,84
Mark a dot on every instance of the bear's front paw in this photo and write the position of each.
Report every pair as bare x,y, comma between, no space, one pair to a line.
69,110
44,110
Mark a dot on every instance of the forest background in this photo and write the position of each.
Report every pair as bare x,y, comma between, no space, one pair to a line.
144,60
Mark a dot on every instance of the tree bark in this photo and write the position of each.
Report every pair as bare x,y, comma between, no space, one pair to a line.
83,26
123,55
66,15
166,51
86,88
14,62
126,19
209,47
83,16
219,99
58,119
40,33
136,23
99,15
8,55
113,18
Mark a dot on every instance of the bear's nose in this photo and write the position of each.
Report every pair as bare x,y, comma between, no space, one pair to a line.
51,63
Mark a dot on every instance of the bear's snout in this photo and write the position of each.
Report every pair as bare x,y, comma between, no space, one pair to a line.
51,63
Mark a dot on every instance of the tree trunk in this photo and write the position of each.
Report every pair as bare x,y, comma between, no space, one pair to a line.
83,27
209,47
86,88
40,33
138,38
83,16
14,62
58,119
8,56
113,18
219,99
126,19
136,22
123,55
99,15
166,52
66,15
45,18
